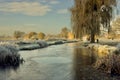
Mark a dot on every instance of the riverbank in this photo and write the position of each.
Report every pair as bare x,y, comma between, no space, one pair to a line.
63,62
41,44
9,56
108,56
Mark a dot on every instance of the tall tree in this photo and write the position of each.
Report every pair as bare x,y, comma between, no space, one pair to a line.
64,32
31,34
87,16
18,34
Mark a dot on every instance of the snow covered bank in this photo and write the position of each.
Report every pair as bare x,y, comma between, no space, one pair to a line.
33,45
41,43
61,42
9,55
103,50
108,58
29,47
109,64
38,44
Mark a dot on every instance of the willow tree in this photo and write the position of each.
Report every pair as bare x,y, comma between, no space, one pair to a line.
87,15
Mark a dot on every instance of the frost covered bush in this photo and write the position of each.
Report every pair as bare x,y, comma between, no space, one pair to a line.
109,64
9,55
102,50
108,58
41,43
9,44
12,49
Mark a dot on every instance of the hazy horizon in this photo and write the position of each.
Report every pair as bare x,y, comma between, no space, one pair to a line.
47,16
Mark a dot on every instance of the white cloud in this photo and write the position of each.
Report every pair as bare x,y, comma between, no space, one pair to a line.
62,11
27,8
50,1
54,2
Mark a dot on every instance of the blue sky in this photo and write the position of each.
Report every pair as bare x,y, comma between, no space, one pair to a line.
47,16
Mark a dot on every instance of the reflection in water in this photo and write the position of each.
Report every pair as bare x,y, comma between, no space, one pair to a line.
15,67
6,70
83,58
54,63
11,63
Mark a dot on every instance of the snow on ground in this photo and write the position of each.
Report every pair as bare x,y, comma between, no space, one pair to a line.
37,44
42,43
109,57
103,50
111,42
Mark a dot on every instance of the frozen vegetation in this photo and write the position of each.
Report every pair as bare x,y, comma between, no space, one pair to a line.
104,49
31,45
37,44
109,58
42,43
109,64
9,55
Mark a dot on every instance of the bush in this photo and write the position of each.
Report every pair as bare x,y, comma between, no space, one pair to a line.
109,64
41,35
9,55
41,43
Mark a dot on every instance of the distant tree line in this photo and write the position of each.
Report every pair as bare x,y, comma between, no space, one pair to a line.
64,33
30,35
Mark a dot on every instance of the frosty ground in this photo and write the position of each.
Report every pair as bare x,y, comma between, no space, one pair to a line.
92,72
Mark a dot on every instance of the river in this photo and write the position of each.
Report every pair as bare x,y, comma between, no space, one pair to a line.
57,62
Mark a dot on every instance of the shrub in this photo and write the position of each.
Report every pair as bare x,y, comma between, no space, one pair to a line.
9,55
109,64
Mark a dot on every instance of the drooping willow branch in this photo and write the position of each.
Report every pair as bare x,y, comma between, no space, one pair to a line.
87,15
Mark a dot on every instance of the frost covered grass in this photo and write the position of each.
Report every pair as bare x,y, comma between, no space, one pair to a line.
109,58
9,55
37,44
109,64
103,50
42,43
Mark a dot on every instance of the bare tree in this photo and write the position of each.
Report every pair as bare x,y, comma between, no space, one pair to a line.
18,34
64,32
31,34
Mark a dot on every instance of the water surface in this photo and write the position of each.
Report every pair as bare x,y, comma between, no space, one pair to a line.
58,62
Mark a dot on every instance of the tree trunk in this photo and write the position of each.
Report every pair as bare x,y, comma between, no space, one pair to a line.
109,29
92,37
